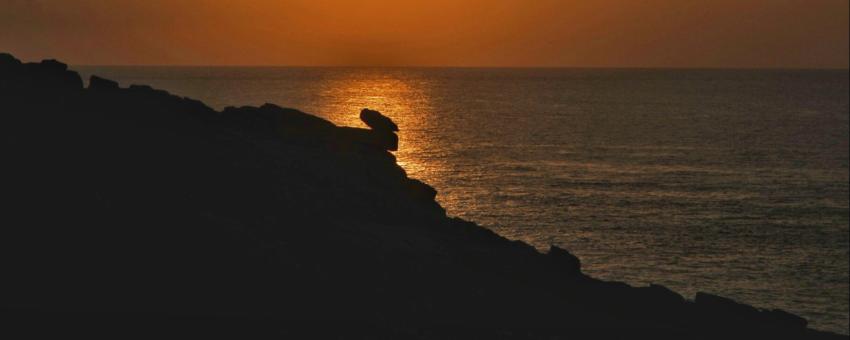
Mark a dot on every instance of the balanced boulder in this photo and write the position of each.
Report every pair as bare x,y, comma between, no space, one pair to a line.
377,121
383,129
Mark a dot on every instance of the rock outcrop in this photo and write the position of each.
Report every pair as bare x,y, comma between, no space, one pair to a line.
132,211
100,84
377,121
568,262
383,129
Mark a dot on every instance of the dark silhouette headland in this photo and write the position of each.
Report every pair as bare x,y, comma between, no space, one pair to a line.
131,211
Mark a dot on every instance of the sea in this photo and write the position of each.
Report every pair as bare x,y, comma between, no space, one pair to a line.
733,182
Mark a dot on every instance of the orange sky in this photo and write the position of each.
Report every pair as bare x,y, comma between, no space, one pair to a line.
585,33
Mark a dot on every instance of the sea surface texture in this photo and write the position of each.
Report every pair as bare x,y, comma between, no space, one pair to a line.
733,182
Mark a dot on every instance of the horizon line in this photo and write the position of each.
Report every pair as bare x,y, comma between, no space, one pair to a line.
776,68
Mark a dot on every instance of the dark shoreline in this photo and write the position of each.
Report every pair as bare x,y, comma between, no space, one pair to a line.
143,208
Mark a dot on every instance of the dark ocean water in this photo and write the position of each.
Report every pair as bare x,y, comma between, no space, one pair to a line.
733,182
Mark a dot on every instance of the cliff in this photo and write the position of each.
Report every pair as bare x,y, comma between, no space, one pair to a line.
133,211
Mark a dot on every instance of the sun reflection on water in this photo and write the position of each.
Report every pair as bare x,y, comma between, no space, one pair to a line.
402,97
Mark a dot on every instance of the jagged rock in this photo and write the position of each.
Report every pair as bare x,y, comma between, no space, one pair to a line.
9,65
141,88
102,84
421,190
664,295
725,306
147,90
382,128
8,61
294,119
54,65
197,107
565,260
659,298
738,313
157,204
47,75
782,317
289,124
377,121
369,138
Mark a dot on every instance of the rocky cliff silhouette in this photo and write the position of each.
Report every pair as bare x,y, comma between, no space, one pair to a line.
132,211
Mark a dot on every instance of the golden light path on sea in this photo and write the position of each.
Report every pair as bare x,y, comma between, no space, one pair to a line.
399,95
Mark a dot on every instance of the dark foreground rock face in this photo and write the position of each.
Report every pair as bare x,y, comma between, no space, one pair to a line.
132,211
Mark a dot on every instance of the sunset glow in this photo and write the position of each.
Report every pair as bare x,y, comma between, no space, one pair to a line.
398,96
609,33
425,169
